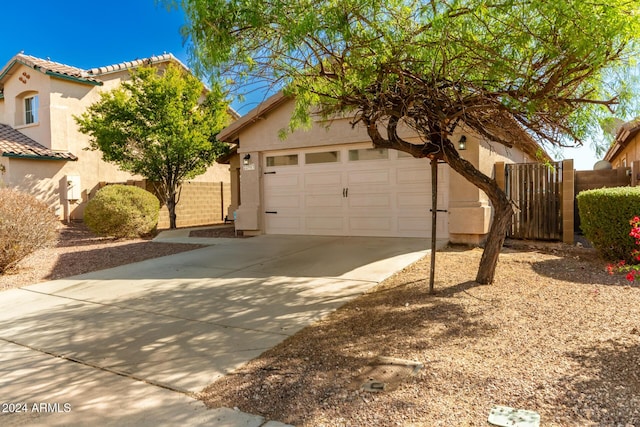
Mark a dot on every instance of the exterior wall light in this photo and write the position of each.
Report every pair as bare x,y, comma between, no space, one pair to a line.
246,159
462,143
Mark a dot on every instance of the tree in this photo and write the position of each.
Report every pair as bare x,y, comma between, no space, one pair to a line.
161,125
500,68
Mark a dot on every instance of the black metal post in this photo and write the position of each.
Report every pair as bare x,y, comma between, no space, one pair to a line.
434,221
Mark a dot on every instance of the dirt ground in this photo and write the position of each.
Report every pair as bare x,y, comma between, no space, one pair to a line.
554,334
79,251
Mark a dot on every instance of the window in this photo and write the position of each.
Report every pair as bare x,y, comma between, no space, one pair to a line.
31,109
368,154
286,160
322,157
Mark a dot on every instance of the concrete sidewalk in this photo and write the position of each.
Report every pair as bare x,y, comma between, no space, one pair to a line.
132,345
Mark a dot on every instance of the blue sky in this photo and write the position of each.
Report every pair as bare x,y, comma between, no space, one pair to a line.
89,34
92,34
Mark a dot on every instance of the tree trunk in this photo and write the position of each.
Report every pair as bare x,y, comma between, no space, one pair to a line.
501,215
171,206
439,147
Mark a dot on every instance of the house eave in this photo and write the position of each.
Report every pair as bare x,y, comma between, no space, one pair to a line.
37,157
231,132
624,136
73,79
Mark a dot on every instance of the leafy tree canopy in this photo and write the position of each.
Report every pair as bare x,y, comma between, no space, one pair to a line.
159,124
555,66
552,68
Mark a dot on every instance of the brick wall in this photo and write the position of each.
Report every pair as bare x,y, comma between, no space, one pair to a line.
201,203
587,180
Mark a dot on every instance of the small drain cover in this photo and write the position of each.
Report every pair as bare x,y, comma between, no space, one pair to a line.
386,373
505,416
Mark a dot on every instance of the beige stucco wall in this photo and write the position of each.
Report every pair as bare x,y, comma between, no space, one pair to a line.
59,101
469,208
629,154
43,181
14,89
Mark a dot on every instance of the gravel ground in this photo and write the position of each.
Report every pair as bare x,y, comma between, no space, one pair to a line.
80,251
555,334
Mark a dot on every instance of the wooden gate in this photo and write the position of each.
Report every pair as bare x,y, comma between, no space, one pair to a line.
535,189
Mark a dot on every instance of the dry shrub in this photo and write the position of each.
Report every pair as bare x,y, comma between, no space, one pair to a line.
26,224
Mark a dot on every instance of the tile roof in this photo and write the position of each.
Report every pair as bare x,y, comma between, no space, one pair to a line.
127,65
91,76
14,143
52,68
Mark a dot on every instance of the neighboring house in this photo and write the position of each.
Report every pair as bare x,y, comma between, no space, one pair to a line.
626,147
43,153
329,181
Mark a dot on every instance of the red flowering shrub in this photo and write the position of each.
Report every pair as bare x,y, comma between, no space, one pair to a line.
632,269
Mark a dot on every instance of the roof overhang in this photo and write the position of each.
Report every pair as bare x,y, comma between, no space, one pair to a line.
73,79
625,134
225,159
17,60
231,132
64,157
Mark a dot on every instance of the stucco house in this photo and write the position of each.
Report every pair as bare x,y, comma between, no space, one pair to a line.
330,181
626,147
43,153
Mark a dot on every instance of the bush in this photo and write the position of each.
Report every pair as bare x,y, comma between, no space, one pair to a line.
26,224
122,211
604,219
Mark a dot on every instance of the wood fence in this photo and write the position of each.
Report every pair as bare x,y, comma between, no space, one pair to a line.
536,191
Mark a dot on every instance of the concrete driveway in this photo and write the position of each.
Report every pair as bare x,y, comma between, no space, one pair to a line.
131,345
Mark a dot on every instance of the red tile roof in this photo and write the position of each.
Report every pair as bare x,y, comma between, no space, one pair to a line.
166,57
91,76
52,68
14,143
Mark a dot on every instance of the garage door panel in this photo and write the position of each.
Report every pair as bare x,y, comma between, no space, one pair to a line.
323,200
330,179
368,177
413,176
358,198
369,201
283,223
282,182
277,201
417,200
325,223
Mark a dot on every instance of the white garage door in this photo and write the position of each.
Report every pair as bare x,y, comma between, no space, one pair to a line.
351,191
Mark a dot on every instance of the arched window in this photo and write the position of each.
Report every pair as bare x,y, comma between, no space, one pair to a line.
27,107
31,109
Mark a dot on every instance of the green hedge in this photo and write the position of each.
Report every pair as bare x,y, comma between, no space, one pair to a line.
604,219
122,211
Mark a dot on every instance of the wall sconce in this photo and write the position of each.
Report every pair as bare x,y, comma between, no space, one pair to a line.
462,143
246,159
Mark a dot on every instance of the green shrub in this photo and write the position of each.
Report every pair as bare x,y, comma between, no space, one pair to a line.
122,211
604,218
26,224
